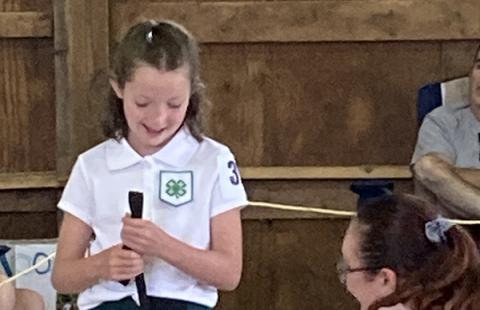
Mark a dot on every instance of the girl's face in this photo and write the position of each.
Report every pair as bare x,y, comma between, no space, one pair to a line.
365,287
155,103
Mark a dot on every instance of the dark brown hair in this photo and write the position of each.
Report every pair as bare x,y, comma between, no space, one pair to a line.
165,46
429,275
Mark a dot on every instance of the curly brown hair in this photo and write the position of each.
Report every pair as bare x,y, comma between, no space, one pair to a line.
166,46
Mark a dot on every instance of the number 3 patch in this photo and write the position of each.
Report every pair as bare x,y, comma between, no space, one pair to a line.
229,179
234,178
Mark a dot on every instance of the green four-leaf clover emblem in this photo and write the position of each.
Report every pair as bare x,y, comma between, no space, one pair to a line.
176,188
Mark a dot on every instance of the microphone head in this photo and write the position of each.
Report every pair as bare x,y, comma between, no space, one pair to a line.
135,200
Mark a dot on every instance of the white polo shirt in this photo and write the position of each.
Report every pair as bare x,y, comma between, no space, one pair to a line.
185,184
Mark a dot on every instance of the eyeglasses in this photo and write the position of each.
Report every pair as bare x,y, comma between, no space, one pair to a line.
343,269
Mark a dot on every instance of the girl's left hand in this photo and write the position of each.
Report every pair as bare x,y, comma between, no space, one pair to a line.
142,236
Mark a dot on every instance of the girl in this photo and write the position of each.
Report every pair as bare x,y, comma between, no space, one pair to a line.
188,243
398,255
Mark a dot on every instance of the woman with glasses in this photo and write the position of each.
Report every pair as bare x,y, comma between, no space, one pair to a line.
399,254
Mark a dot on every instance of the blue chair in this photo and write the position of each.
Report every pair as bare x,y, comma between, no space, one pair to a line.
453,92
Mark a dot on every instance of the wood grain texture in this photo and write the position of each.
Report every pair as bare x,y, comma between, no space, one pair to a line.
29,200
25,24
332,194
26,5
236,77
310,21
290,265
36,225
457,57
31,180
49,179
326,173
82,47
318,104
27,116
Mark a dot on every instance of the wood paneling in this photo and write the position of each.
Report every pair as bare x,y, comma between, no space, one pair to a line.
29,180
81,44
25,24
49,179
346,104
36,225
236,77
310,21
29,200
29,213
333,194
290,265
27,116
319,104
457,57
26,5
326,173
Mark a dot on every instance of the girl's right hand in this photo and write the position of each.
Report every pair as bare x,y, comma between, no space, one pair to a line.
120,264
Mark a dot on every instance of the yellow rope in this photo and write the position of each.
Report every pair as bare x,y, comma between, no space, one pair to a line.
333,212
465,222
339,213
18,275
301,209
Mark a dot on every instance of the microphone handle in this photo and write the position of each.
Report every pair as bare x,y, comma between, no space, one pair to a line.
135,201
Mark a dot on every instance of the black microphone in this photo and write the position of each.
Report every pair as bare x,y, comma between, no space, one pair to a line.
135,200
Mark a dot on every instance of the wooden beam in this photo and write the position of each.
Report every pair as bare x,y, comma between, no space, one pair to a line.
25,24
82,53
50,179
354,172
29,180
310,21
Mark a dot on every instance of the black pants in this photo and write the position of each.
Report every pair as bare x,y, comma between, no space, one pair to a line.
155,303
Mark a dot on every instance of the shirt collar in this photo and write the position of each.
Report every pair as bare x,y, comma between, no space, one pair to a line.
177,152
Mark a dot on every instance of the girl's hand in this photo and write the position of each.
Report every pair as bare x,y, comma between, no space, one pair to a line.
120,264
142,236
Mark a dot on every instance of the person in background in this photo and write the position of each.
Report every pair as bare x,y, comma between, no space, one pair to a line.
446,161
398,254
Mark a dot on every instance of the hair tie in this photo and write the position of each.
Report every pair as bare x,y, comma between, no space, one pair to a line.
149,36
435,229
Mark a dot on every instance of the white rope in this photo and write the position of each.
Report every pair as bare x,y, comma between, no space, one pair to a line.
18,275
339,213
465,222
334,212
301,209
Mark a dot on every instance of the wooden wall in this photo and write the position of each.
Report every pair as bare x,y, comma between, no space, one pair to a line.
27,118
310,95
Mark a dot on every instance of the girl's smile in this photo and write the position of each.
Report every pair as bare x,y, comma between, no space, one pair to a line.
155,103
